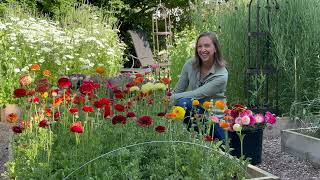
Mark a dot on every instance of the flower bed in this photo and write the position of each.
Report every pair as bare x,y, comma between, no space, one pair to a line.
117,129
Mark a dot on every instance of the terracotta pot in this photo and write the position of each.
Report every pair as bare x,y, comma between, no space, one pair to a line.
10,108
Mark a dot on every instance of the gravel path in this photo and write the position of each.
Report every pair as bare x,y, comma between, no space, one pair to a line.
284,165
274,161
5,134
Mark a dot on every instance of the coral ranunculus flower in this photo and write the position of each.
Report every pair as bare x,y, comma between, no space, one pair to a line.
76,127
20,92
64,83
25,80
160,129
46,72
100,70
220,104
165,80
145,121
12,117
180,112
35,67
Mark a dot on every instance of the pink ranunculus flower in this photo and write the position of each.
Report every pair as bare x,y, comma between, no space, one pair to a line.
246,113
238,120
270,118
259,118
252,120
214,119
245,120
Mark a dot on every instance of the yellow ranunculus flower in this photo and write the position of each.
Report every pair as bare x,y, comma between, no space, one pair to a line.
146,88
45,94
180,112
159,87
195,102
207,105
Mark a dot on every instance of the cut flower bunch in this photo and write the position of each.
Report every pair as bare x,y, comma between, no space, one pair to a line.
117,128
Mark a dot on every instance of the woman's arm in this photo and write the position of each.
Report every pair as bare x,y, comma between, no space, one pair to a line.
216,84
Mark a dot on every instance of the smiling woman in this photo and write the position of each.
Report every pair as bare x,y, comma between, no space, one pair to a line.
205,76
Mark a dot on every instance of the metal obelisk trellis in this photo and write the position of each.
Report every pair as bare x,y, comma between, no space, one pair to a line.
261,81
162,36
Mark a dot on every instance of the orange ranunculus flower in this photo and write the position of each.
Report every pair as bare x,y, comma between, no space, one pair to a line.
46,72
138,80
224,125
195,102
227,111
170,115
228,118
100,70
165,80
35,67
12,117
57,102
220,104
207,104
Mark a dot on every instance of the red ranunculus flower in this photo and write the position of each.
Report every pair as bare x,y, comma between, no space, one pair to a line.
44,123
87,87
17,129
64,83
98,104
36,100
131,114
73,110
20,92
56,116
119,119
119,107
161,114
105,101
160,129
79,99
145,121
87,108
208,138
107,111
76,127
119,95
43,85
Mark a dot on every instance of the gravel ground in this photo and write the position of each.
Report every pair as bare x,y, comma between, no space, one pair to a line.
284,165
274,161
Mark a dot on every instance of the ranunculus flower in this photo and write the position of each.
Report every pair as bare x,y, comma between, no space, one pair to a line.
64,83
17,129
119,95
270,118
245,120
20,92
252,120
73,110
180,112
207,104
220,104
259,118
131,114
119,107
98,104
87,108
169,93
25,80
238,120
161,114
76,127
214,119
43,85
79,99
36,100
87,87
43,123
35,67
237,127
56,116
46,72
165,80
208,138
100,69
195,102
119,119
12,117
145,121
105,101
160,129
224,125
107,111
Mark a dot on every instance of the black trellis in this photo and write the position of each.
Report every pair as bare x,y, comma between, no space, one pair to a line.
261,77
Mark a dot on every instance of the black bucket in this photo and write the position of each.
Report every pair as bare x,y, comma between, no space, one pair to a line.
252,145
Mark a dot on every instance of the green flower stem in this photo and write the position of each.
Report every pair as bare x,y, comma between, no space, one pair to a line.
227,140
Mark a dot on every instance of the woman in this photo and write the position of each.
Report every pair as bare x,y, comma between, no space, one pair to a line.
205,76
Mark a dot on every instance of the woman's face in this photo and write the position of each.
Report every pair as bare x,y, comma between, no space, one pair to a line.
206,49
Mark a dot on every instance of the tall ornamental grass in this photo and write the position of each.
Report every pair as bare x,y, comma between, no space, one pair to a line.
294,50
84,40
